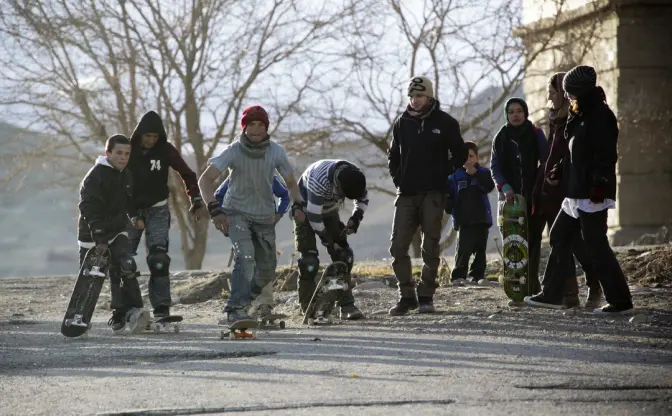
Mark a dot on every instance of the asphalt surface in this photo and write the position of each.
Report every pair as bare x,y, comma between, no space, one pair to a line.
451,364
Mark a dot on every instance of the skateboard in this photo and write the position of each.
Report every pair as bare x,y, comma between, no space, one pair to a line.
512,221
274,320
161,324
239,330
92,274
332,283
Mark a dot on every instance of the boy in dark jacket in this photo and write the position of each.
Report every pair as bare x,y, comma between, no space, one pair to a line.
468,203
105,206
151,157
426,147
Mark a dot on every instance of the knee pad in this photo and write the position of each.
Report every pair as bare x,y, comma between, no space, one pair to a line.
308,266
158,261
347,256
128,269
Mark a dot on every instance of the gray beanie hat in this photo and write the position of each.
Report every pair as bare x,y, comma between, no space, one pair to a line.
579,80
420,86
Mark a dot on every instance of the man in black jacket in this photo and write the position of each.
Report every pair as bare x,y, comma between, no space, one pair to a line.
151,157
105,206
426,148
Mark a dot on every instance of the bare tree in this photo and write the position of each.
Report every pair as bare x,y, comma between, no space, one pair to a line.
468,48
83,70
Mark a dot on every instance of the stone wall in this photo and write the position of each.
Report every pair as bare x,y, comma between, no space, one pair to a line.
630,45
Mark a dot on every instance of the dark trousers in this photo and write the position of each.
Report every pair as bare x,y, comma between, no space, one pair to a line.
568,233
157,233
124,289
549,214
306,245
472,239
410,212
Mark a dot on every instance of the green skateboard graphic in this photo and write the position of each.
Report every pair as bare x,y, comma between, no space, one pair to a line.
512,221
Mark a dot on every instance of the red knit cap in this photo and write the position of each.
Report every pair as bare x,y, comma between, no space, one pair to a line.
254,113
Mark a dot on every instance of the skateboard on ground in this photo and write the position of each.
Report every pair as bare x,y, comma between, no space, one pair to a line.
274,320
165,323
512,221
329,288
92,274
239,330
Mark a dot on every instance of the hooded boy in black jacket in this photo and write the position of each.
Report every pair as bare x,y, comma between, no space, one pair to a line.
105,206
151,157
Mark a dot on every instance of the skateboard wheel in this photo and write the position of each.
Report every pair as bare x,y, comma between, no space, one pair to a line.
232,336
522,280
282,324
330,320
221,335
311,321
521,220
176,329
157,328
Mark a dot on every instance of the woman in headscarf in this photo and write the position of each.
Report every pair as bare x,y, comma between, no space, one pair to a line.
549,194
517,153
589,174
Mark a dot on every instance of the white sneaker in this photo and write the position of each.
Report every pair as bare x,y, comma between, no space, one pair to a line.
487,283
459,282
137,319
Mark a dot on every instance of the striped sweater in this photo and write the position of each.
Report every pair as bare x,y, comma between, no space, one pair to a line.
317,186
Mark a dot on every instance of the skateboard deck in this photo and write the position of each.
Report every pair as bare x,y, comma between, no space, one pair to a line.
274,320
512,221
329,288
92,274
162,324
239,330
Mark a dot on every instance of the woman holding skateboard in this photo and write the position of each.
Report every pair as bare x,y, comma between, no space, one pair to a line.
518,150
588,173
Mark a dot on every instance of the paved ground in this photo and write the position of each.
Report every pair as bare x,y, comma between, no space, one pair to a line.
451,363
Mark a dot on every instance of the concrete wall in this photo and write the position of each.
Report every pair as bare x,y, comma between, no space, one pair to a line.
630,45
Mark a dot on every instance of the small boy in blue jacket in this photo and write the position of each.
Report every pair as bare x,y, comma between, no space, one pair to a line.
469,205
265,299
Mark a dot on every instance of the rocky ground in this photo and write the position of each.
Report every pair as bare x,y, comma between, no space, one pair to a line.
476,355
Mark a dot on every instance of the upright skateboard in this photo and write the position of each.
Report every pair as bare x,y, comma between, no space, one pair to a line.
274,320
92,274
239,330
162,324
329,288
512,221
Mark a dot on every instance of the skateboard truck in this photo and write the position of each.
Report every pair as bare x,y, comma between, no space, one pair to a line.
77,320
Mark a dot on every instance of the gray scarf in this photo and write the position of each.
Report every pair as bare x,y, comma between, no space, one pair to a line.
254,150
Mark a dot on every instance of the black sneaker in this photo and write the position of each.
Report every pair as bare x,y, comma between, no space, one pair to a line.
540,301
117,322
403,306
161,312
426,305
614,309
351,312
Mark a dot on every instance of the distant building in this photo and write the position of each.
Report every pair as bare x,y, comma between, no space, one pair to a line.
631,49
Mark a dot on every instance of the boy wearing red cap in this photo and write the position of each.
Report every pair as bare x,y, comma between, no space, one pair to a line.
247,214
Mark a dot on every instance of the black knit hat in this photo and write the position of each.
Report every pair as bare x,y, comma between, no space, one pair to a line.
579,80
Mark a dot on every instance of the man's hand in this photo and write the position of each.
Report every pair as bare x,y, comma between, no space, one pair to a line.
101,248
140,224
196,205
553,178
353,223
218,217
508,193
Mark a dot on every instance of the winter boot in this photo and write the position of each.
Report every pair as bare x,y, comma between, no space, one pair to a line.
403,306
137,320
426,305
351,312
594,299
117,322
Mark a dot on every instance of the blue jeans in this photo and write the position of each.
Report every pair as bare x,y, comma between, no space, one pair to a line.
256,259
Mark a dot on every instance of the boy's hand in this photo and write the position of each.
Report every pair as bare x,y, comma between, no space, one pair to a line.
471,169
140,224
